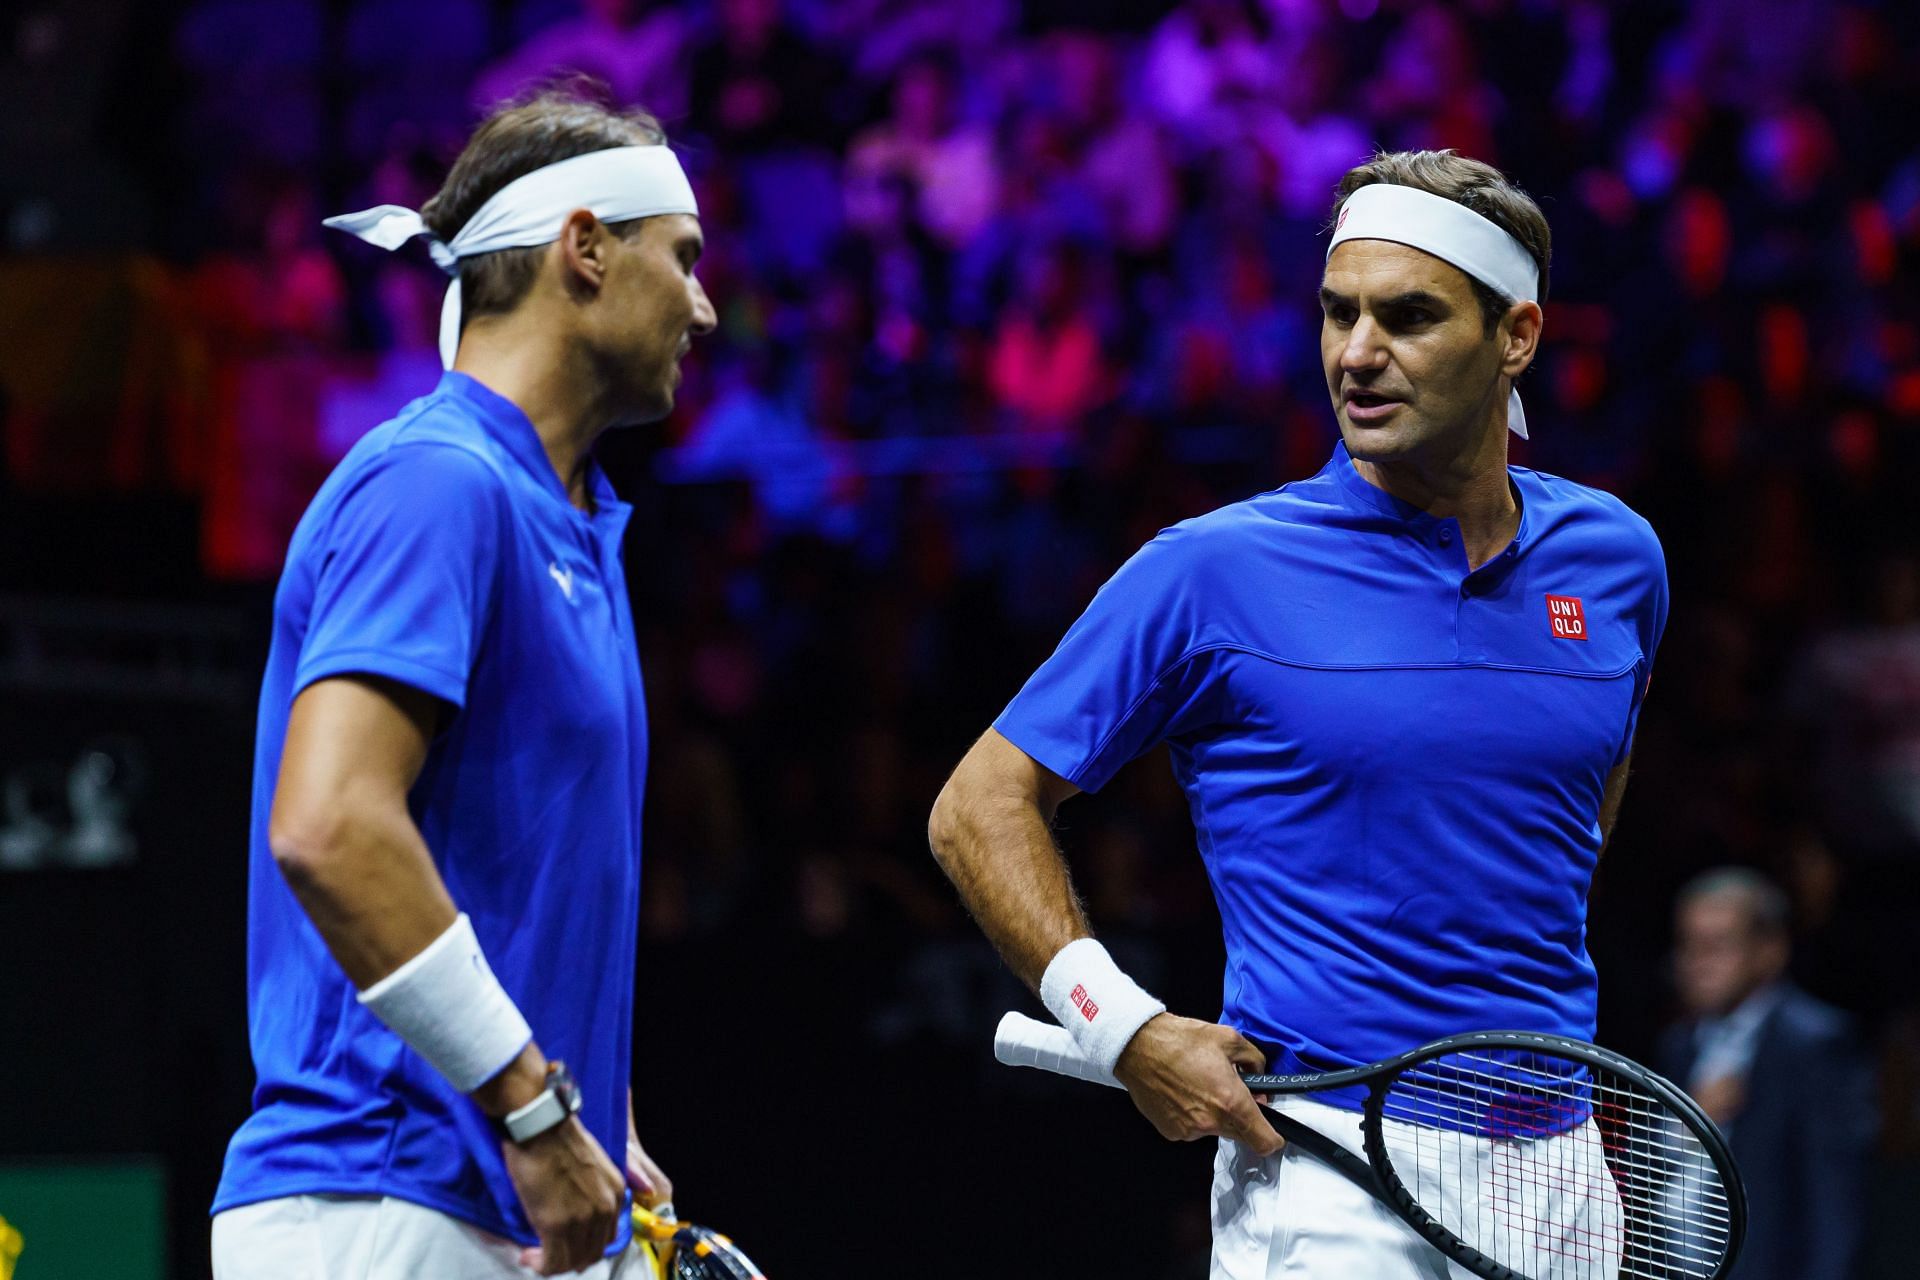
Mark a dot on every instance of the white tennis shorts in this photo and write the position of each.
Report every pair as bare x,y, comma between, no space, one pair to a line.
1293,1217
373,1238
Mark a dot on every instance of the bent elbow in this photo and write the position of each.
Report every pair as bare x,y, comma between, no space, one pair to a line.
943,825
302,843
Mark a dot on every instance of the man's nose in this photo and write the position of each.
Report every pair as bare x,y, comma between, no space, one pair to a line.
704,319
1364,348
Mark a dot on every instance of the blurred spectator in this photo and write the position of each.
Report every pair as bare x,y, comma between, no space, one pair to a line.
1757,53
1204,61
404,82
1778,1071
631,47
1048,364
254,94
254,89
281,292
756,82
945,167
1858,689
1429,91
881,36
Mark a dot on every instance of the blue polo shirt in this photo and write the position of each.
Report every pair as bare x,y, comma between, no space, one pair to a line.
443,553
1394,766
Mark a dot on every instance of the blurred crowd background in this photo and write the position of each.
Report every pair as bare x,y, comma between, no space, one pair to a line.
1003,289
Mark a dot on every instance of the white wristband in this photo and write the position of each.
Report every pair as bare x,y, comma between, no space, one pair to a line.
450,1009
1098,1004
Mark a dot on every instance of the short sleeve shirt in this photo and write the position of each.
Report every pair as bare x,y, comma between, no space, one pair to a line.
1394,765
443,553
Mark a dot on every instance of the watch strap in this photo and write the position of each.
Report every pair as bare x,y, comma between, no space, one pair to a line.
551,1109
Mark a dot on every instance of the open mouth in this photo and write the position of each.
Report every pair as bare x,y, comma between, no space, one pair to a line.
1364,408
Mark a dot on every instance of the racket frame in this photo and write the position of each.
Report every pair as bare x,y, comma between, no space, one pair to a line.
1376,1172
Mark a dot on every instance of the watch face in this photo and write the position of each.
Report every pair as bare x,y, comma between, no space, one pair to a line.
560,1080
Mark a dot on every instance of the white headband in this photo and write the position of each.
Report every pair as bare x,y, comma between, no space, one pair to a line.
618,184
1451,232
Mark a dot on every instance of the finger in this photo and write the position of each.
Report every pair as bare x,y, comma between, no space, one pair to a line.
650,1183
1245,1054
1247,1124
601,1230
638,1177
662,1184
589,1241
534,1259
551,1259
563,1253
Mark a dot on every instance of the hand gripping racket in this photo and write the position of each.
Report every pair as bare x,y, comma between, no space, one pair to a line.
1519,1156
683,1251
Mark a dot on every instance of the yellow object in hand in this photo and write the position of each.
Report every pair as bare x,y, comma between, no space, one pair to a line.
12,1243
683,1251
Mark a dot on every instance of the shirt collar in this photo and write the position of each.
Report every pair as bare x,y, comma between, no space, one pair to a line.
507,423
1372,497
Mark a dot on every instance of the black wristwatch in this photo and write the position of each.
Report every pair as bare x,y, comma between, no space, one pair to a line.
560,1099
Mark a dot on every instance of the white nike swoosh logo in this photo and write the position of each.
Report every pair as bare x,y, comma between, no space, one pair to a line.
564,578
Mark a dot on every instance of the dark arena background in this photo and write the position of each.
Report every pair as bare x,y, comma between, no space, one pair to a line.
1003,289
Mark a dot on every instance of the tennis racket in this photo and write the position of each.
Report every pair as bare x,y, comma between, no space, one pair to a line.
1519,1156
683,1251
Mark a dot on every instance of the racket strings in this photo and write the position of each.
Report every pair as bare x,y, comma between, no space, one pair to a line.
1556,1169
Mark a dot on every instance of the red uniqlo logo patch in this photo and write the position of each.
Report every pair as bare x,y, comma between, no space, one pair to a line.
1568,619
1086,1006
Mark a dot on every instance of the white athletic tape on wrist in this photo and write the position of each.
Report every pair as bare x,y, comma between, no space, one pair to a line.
1100,1006
618,184
1450,232
1020,1041
450,1009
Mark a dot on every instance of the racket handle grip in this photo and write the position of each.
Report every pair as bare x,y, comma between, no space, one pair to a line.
1020,1041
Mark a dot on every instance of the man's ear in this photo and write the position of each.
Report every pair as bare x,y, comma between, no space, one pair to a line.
1521,341
582,248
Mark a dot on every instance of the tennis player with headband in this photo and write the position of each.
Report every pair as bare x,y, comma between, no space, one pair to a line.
1400,697
445,854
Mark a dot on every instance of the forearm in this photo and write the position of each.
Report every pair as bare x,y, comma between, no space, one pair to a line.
343,835
366,880
373,893
991,832
993,841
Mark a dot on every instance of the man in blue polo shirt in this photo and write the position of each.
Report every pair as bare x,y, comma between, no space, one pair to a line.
452,745
1400,696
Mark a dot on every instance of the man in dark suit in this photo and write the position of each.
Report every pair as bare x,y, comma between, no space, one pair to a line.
1779,1072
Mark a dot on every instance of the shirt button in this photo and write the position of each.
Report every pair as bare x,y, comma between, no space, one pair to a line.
1446,536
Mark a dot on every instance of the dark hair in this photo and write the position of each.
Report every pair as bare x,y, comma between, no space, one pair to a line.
557,123
1475,184
1769,910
